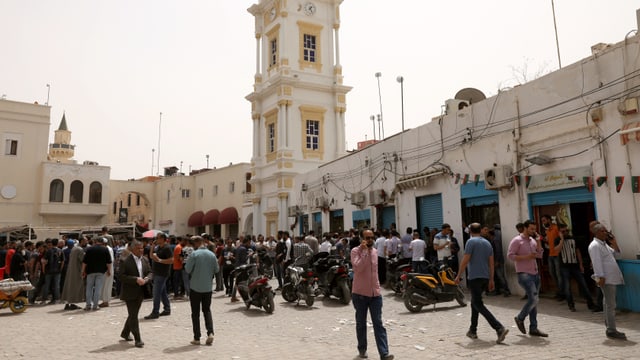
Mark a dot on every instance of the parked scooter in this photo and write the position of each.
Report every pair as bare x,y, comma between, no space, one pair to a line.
299,284
396,267
333,277
426,289
265,263
254,289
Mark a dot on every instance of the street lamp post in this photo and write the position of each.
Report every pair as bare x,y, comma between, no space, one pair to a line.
400,79
380,134
373,120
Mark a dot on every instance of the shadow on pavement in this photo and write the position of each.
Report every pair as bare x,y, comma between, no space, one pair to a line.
181,349
120,346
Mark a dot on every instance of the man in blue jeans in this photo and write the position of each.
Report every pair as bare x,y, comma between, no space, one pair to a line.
366,296
524,249
478,254
162,257
95,264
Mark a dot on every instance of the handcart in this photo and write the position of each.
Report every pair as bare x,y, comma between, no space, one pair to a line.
12,294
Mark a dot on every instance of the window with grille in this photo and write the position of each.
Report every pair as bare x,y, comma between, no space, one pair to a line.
271,128
309,48
274,52
313,134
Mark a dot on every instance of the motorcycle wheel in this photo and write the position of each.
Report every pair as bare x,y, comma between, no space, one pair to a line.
346,293
309,299
460,297
267,302
409,303
19,304
289,293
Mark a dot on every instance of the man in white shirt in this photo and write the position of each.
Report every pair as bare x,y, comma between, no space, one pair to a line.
381,246
442,242
326,245
417,248
607,275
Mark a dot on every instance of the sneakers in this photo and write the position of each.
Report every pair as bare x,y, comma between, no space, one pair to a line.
209,340
502,333
363,354
616,335
536,332
572,308
520,324
387,357
152,316
472,335
195,342
104,304
165,313
234,299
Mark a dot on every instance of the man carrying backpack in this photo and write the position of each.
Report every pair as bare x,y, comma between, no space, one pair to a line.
53,262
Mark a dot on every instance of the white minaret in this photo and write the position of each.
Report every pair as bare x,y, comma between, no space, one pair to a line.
298,102
61,150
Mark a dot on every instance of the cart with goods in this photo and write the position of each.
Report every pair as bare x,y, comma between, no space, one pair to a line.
13,294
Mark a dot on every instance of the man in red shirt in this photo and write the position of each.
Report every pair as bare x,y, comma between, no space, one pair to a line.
11,249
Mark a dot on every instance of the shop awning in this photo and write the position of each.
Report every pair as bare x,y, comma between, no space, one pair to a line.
418,180
228,216
630,131
211,217
195,219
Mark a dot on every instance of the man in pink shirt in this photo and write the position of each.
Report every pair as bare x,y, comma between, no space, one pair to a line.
366,296
524,250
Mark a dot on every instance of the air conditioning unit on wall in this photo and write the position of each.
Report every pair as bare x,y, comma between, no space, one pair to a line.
358,198
293,211
498,177
377,197
321,202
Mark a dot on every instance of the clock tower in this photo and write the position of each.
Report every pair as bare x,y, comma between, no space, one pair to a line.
298,103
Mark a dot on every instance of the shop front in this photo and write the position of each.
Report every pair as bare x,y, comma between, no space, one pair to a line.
479,204
563,196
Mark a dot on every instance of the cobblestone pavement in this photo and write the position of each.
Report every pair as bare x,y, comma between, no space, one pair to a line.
325,331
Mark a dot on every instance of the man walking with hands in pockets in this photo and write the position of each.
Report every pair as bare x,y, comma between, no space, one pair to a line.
524,250
201,265
478,254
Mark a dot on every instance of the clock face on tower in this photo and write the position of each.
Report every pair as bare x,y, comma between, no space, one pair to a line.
309,8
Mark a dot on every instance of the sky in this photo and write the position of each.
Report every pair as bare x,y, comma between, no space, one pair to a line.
114,66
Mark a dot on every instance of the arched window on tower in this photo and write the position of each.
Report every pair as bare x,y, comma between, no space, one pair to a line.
56,190
75,196
95,193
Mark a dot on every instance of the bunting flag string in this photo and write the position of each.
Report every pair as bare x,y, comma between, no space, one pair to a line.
457,176
601,180
465,179
527,181
588,182
476,179
517,179
635,184
619,182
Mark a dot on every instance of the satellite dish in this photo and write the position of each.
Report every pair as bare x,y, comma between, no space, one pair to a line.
471,95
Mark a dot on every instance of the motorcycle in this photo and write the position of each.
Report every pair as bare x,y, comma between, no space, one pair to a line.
254,288
435,287
265,263
333,277
299,284
396,267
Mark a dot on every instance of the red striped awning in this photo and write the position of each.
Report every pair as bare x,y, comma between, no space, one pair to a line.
228,216
211,217
630,132
195,219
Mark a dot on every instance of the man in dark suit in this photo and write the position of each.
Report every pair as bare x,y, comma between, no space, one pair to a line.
134,275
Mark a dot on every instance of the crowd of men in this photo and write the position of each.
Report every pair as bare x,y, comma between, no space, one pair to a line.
72,271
